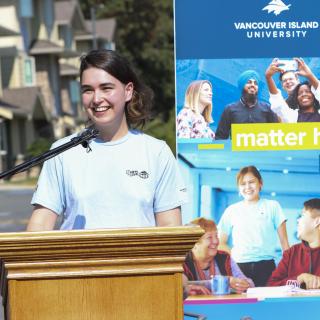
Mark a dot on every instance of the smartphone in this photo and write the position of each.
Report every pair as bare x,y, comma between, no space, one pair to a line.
288,65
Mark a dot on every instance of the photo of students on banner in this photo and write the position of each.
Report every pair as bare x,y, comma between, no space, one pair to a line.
246,110
246,91
302,102
194,118
228,186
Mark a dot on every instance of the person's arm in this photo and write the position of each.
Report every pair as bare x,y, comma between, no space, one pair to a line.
223,240
305,71
239,285
193,289
283,237
271,70
310,280
239,281
169,218
42,219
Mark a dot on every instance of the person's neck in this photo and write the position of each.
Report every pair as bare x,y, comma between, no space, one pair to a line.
309,109
251,202
113,133
201,108
203,262
315,242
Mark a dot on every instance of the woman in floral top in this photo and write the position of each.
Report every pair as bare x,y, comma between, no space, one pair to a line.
194,118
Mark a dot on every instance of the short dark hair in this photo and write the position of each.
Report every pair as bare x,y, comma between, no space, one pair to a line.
250,169
138,109
312,204
282,74
316,104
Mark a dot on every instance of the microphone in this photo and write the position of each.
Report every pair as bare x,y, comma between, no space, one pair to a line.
84,137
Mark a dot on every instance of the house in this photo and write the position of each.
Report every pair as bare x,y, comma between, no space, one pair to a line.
40,45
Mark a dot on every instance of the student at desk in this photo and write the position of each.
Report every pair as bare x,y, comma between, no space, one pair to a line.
302,261
204,261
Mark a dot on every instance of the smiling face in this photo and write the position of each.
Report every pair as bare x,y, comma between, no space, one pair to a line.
207,246
305,97
251,87
104,98
249,187
289,81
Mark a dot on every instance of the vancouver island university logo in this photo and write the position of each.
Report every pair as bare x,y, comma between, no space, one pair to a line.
276,7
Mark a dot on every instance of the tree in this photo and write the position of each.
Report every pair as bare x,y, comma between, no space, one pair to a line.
144,35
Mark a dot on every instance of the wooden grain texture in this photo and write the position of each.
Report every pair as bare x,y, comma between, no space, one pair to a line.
96,274
151,297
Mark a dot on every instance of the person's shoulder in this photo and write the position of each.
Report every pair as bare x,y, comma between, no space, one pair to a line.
234,207
298,247
270,202
223,253
232,105
264,105
185,112
151,141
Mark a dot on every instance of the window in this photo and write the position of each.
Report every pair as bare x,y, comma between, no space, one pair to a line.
28,71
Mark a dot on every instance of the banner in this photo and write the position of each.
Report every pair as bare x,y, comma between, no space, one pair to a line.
235,50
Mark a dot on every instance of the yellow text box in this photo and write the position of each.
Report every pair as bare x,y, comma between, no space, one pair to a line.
275,136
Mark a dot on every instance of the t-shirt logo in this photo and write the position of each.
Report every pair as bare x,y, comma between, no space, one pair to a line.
142,174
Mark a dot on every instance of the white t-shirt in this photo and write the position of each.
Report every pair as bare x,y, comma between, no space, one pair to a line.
118,184
253,229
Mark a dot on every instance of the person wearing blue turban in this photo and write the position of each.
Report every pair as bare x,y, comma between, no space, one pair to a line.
246,76
246,110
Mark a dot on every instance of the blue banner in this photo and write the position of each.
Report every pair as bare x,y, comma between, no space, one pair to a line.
246,29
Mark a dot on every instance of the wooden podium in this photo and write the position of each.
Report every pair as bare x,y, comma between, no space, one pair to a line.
95,274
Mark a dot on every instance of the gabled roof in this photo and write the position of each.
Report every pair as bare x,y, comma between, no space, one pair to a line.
105,29
5,32
44,47
22,101
39,47
68,12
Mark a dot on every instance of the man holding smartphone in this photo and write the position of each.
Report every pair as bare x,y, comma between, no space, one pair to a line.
288,109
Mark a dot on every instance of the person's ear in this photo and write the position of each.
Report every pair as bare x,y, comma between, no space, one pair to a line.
261,185
317,222
129,91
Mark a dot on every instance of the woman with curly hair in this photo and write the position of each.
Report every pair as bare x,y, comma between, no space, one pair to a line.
194,118
308,105
128,179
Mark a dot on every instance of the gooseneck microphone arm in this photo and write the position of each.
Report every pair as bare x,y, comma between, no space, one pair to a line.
82,138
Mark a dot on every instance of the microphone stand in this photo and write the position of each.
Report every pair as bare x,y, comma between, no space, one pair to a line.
82,138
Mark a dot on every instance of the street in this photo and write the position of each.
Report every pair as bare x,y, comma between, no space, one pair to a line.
15,208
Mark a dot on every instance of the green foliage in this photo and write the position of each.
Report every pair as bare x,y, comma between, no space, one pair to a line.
164,130
37,147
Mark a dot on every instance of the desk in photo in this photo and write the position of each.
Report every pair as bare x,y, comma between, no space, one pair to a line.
241,307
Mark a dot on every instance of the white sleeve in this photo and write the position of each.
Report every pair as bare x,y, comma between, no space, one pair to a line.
281,108
50,188
316,92
170,189
278,215
225,224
